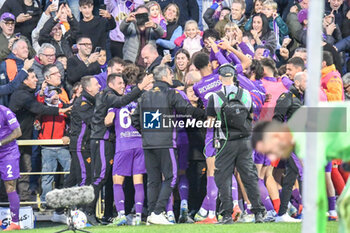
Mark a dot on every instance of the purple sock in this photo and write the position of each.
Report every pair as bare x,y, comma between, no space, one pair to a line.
139,198
183,187
169,206
234,189
212,192
264,195
14,206
296,195
246,208
119,197
331,203
205,203
296,198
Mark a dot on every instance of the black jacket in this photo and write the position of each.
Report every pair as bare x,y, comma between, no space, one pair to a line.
287,104
67,40
97,29
17,7
164,100
24,104
108,98
82,112
154,64
76,69
209,19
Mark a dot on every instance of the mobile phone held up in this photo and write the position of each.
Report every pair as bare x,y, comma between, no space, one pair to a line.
166,52
97,49
103,7
141,19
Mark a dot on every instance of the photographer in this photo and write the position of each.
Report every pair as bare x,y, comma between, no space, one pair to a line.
138,31
232,143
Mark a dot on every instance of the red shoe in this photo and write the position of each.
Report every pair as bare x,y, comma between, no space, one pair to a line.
236,213
208,221
300,209
13,227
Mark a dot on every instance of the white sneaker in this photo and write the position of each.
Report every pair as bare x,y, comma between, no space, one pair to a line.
159,219
270,216
286,218
171,217
61,218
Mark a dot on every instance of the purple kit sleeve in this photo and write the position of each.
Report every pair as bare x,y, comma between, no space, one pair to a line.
234,58
221,58
245,83
245,49
11,120
287,82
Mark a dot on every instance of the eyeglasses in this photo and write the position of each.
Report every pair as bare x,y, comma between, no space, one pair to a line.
9,23
86,44
48,55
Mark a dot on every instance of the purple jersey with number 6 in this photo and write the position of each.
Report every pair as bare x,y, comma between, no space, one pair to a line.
208,85
8,123
127,137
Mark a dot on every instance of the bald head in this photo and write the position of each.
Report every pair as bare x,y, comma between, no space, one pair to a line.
149,54
300,80
192,77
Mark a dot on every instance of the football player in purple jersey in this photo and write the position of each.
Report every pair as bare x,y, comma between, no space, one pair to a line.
128,160
9,161
209,84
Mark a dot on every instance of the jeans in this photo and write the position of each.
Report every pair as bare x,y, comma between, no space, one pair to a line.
49,159
200,9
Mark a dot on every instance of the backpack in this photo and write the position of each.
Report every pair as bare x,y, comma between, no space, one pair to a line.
234,115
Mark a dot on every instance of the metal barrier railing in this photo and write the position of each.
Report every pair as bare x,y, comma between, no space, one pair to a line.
49,142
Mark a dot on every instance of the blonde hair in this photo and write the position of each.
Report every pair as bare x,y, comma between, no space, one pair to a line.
270,3
230,25
189,22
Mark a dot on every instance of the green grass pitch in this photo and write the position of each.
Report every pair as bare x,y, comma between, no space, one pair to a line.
332,227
